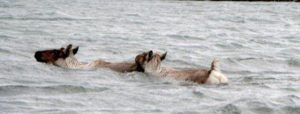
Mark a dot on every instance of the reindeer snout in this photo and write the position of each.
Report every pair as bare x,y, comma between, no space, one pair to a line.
38,56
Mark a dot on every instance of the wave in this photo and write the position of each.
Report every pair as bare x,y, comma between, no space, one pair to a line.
46,16
14,90
294,62
46,19
230,109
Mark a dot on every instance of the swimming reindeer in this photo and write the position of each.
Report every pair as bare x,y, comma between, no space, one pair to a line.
152,65
65,57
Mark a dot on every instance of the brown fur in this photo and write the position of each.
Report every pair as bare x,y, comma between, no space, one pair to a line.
49,56
194,75
119,67
52,55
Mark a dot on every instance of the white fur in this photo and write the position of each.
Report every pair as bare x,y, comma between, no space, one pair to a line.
216,77
72,63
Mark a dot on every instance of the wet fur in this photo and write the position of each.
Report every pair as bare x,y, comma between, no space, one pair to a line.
152,65
67,59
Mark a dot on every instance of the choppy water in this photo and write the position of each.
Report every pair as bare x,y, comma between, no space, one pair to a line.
258,44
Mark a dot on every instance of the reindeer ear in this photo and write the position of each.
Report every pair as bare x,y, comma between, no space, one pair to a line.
149,55
163,56
75,50
62,49
67,51
69,47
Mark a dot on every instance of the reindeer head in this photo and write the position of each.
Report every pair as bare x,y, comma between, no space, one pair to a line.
52,55
149,61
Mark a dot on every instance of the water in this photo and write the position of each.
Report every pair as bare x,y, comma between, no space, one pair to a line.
258,44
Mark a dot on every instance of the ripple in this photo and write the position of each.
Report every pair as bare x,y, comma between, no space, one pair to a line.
45,19
291,109
13,90
198,93
260,106
294,62
230,109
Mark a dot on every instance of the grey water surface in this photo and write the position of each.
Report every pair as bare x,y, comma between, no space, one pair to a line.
258,44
